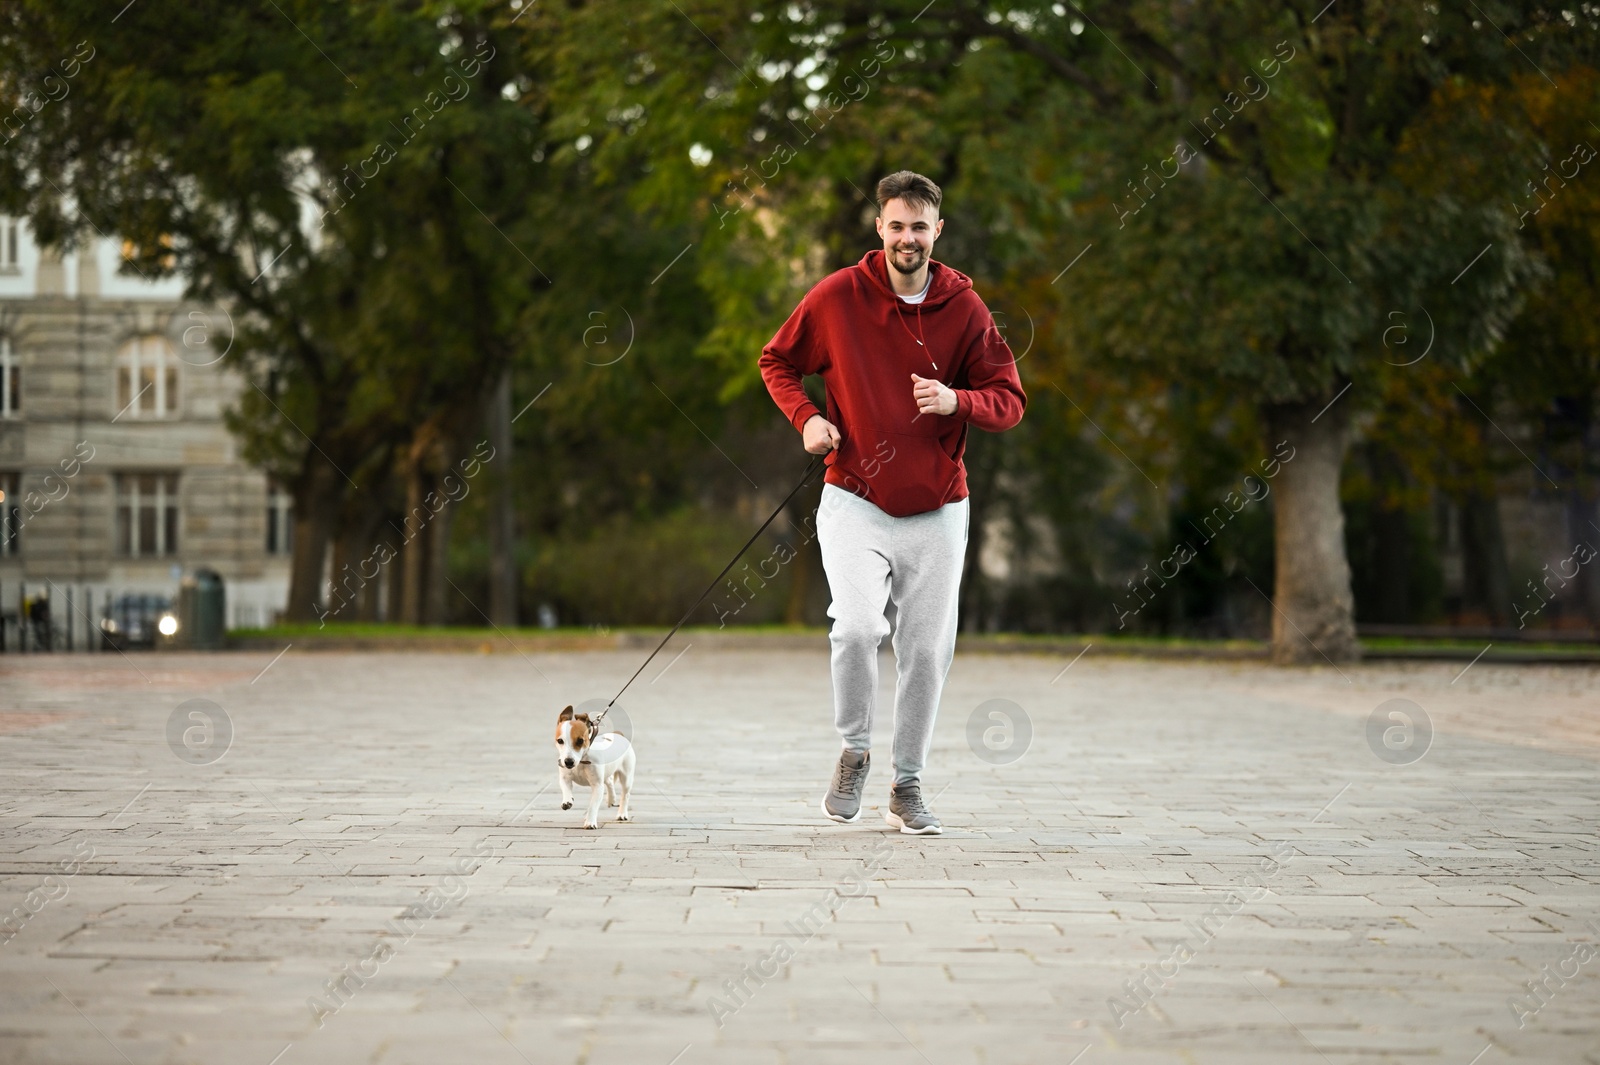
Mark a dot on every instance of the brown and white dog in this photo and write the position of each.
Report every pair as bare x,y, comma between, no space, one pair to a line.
603,762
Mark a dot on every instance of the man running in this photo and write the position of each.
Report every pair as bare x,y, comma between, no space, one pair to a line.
909,357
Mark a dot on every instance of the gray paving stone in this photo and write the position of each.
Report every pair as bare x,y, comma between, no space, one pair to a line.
217,900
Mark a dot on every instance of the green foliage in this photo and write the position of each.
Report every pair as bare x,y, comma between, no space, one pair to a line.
1266,269
331,202
682,173
649,571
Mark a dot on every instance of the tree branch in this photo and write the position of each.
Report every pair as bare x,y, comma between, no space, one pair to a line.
1058,63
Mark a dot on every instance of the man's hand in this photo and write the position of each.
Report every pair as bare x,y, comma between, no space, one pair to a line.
933,397
820,435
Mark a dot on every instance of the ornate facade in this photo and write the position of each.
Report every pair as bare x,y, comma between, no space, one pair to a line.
118,473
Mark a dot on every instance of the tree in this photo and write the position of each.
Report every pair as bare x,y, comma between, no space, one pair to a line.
333,204
1448,430
1549,374
1232,175
1270,244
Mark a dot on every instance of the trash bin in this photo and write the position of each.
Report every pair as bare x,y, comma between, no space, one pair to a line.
201,611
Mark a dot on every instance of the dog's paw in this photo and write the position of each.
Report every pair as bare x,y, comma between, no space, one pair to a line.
566,805
624,817
591,824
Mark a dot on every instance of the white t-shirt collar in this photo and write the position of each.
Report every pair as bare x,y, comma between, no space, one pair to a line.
919,297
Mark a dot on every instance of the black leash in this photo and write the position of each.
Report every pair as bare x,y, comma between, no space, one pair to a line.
810,472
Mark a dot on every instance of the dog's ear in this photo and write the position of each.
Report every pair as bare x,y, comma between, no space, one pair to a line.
565,714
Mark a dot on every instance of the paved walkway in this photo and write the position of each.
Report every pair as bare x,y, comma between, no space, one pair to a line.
1188,863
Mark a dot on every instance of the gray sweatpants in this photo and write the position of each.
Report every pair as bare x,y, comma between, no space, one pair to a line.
916,561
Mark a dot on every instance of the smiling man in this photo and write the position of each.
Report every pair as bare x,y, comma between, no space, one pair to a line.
910,358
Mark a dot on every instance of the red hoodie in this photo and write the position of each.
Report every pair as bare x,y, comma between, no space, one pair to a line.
863,339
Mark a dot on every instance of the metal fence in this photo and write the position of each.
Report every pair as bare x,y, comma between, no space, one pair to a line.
38,616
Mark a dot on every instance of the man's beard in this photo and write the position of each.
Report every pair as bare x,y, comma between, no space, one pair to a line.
919,260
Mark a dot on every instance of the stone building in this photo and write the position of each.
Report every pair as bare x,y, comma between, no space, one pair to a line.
118,473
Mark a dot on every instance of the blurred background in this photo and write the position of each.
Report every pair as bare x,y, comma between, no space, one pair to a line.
381,313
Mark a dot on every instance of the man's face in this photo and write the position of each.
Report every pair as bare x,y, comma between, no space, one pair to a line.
908,234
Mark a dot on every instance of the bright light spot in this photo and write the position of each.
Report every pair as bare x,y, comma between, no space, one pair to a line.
699,154
1076,27
168,625
583,142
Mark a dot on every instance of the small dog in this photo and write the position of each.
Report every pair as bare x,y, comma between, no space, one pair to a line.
612,772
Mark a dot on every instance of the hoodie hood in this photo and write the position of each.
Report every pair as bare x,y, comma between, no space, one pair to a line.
947,282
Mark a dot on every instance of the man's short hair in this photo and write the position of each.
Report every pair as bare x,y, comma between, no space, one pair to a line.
908,185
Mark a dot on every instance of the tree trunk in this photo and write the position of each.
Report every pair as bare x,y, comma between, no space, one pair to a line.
414,554
341,603
437,582
979,606
808,553
503,579
394,579
355,588
1486,576
1585,592
316,506
367,607
1313,617
430,511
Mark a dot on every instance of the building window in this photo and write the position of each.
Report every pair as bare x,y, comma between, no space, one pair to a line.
10,380
147,515
9,263
280,528
147,379
10,514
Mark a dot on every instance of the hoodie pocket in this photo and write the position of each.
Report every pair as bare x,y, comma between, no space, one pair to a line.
902,473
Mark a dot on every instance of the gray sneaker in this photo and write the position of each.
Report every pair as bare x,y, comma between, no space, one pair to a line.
843,800
907,813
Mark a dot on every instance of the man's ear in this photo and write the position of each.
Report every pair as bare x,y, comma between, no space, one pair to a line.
565,714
